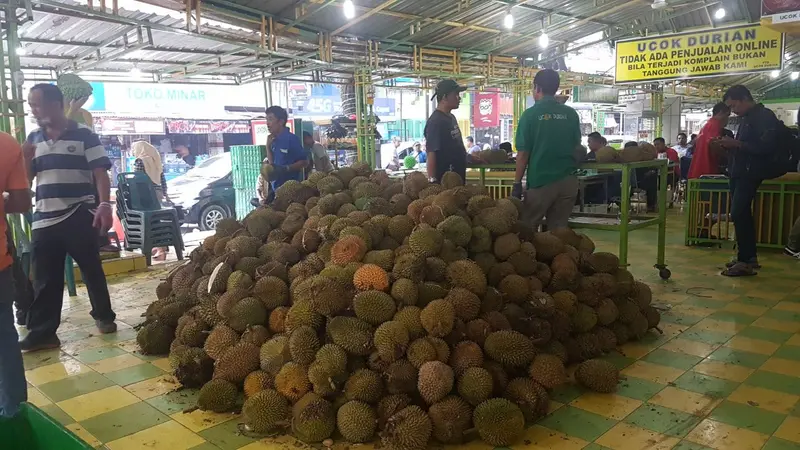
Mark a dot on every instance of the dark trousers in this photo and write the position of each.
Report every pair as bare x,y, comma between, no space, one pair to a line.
743,191
22,284
77,237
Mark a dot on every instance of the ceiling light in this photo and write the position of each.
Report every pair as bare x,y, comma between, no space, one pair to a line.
795,75
508,20
349,9
719,14
136,71
775,73
544,40
529,58
21,51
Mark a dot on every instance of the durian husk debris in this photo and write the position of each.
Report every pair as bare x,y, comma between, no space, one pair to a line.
351,293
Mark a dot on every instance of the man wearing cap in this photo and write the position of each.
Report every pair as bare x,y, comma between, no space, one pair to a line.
548,144
444,144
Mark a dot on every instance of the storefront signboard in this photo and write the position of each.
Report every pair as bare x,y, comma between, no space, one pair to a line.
486,110
114,126
259,131
207,126
708,53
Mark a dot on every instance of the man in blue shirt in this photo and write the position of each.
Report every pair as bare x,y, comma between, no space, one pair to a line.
286,152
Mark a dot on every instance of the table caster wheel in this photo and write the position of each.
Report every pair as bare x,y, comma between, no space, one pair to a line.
664,273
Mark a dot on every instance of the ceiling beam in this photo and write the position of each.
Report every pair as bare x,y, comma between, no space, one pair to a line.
144,39
53,6
97,48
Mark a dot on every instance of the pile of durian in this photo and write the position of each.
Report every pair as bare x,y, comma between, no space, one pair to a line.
360,307
642,152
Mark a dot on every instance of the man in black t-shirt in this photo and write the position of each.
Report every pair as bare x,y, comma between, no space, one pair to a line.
445,146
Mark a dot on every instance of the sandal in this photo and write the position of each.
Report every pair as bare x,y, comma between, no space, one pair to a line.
753,264
739,270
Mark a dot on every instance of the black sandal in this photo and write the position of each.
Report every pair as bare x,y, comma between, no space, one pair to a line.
739,270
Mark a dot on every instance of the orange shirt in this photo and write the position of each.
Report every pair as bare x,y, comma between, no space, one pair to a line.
12,178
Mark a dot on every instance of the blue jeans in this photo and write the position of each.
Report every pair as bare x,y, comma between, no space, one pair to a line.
13,389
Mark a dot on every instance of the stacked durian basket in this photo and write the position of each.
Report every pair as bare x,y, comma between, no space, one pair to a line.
359,308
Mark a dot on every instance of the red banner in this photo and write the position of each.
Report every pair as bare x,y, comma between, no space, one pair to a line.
771,7
486,110
207,126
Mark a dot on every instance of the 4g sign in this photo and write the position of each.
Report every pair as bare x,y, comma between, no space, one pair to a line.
318,106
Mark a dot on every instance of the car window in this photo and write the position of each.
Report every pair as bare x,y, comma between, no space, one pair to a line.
216,166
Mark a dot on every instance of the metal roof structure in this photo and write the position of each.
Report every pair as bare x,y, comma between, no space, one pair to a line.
235,41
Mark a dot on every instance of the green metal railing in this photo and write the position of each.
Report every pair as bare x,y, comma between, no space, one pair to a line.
625,221
775,208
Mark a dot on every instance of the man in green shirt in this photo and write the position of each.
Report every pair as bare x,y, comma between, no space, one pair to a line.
548,144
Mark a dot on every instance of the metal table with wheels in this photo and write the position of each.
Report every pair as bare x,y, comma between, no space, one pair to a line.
625,221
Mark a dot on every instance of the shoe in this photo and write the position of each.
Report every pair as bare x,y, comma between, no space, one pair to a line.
753,263
27,345
106,327
789,252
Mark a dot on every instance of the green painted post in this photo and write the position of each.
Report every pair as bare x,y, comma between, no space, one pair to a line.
624,214
5,105
663,170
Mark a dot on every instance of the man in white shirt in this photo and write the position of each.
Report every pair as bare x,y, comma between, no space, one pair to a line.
682,146
472,148
322,163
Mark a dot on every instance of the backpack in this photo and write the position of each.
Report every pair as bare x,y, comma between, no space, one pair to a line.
787,156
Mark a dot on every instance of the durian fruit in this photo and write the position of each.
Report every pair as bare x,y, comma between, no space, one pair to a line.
257,381
374,307
607,155
236,363
408,429
292,381
193,368
364,385
451,418
597,375
265,411
499,422
313,418
510,348
155,338
218,395
547,370
475,385
356,421
435,381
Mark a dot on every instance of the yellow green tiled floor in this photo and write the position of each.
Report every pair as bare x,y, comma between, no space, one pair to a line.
725,373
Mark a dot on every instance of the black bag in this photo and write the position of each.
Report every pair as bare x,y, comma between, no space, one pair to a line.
787,154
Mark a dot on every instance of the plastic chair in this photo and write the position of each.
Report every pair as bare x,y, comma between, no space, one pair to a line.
147,225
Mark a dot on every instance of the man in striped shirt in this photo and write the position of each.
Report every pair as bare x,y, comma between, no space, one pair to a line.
71,171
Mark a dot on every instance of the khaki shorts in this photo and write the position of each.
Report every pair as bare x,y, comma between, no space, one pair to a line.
553,203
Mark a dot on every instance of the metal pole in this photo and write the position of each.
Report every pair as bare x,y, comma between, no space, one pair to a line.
5,107
267,89
16,71
624,215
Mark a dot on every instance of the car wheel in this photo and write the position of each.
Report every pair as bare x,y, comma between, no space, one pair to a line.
211,216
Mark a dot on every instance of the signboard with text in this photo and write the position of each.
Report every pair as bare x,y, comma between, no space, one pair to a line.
721,51
781,11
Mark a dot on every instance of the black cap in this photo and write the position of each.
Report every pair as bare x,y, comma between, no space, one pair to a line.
445,87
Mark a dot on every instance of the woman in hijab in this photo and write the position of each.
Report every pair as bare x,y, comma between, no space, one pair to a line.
148,160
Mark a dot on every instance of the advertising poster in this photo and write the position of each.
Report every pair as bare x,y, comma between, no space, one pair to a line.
722,51
486,110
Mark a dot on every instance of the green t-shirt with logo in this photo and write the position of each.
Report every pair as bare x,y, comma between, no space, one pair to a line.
550,132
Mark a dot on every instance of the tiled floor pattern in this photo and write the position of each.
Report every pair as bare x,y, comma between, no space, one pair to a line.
725,373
